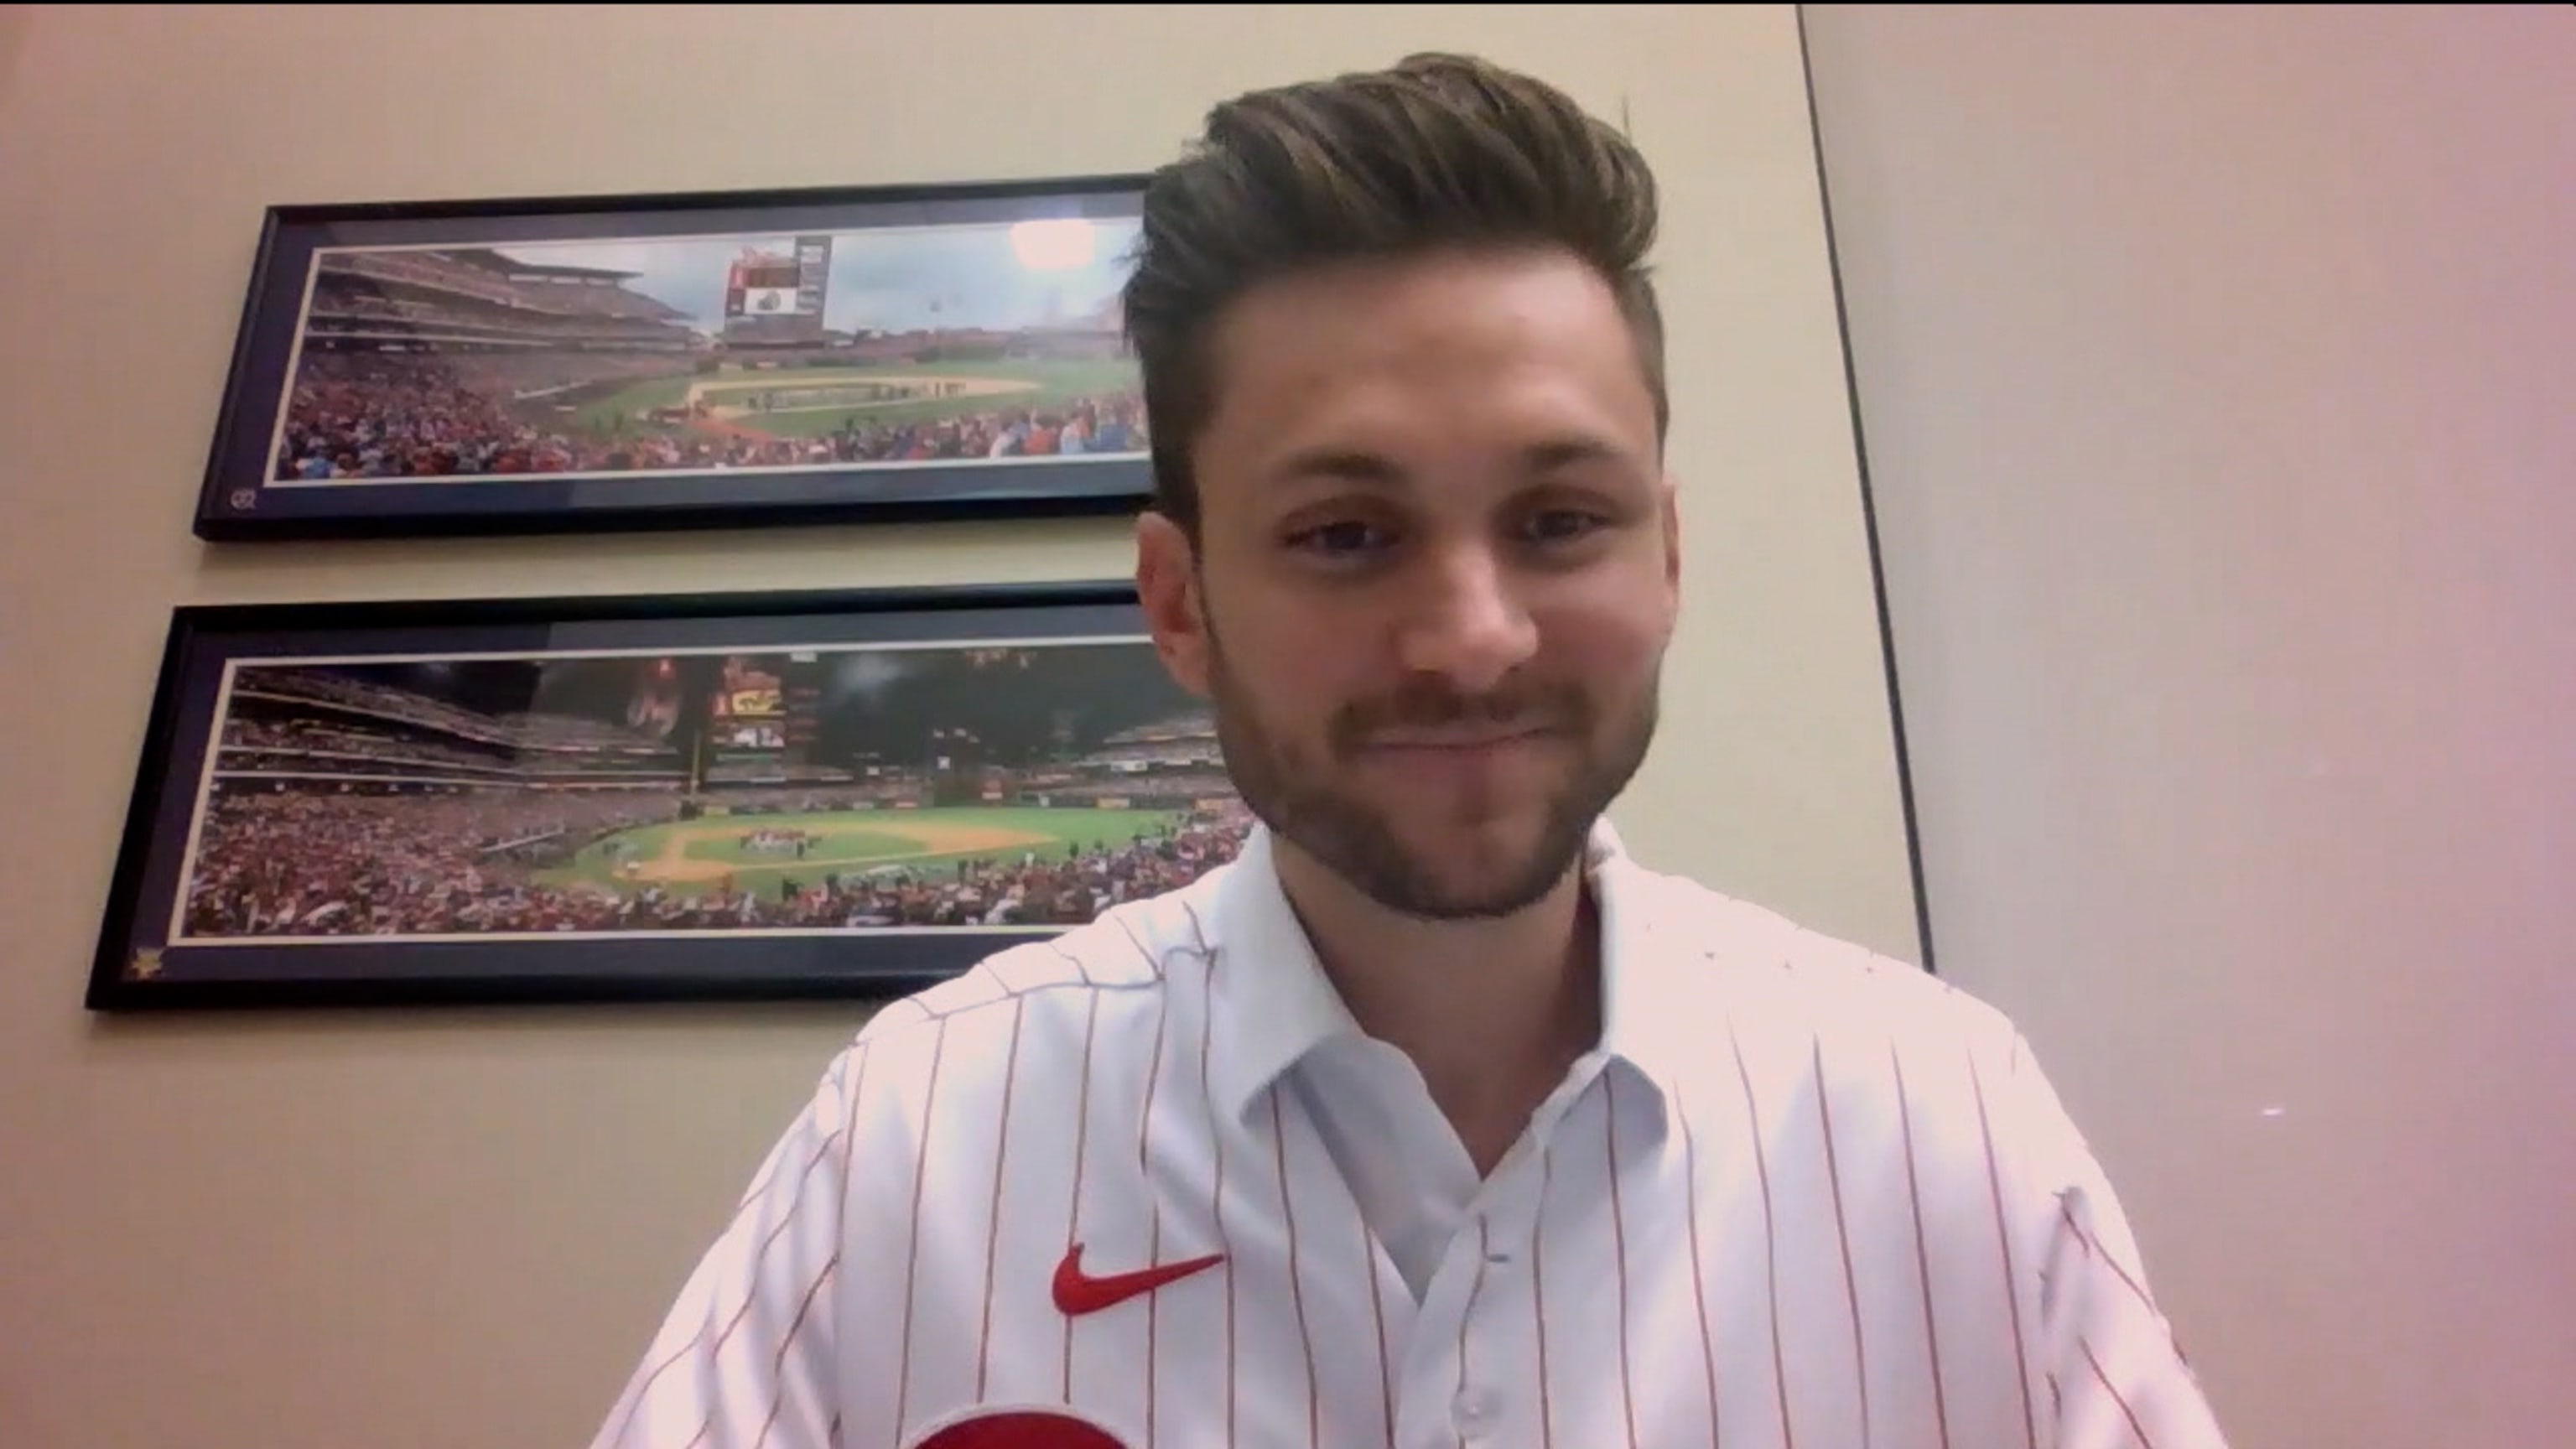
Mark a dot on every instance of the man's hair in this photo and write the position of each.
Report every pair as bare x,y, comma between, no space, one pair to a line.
1438,152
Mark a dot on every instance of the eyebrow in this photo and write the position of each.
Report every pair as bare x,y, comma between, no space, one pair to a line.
1337,465
1567,452
1354,465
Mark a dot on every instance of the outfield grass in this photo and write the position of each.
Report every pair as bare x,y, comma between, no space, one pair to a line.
838,842
1054,382
665,392
692,857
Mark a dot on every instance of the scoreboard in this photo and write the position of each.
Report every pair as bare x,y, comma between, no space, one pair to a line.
763,716
773,296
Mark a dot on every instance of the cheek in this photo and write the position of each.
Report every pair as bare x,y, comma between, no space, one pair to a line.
1277,641
1612,650
1292,672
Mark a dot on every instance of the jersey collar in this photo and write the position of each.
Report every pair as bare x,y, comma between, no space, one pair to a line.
1271,1004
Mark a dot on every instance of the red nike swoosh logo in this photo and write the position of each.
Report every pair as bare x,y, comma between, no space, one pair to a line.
1078,1293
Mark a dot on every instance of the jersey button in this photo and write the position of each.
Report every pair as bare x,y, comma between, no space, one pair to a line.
1475,1412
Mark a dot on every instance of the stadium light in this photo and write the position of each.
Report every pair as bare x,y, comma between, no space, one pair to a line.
1058,244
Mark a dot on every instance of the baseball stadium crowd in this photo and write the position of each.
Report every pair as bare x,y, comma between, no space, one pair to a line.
387,812
1030,888
1155,791
308,863
390,415
1114,423
272,746
526,731
303,862
446,347
342,311
251,743
447,286
841,794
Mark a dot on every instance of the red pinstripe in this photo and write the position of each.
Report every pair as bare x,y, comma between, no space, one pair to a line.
758,1256
1296,1285
1475,1290
1922,1251
1377,1311
1079,967
1014,994
745,1310
1770,1238
2003,1241
763,1251
2093,1246
2113,1390
993,1233
849,1147
1198,932
1619,1247
1699,1272
1842,1235
1538,1295
804,1310
1154,1243
1152,961
912,1246
1081,1140
1216,1145
778,1366
646,1391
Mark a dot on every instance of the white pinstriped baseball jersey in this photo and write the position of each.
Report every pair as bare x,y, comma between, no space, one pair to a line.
1800,1196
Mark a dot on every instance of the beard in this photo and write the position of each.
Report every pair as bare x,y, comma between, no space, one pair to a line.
1300,796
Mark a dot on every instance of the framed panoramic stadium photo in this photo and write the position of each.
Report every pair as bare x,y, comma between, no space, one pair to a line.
732,796
711,359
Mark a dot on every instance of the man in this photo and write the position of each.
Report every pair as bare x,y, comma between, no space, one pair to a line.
1432,1118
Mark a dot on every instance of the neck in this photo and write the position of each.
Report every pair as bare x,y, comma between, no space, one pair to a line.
1492,1012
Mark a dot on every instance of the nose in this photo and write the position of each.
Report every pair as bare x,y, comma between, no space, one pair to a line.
1466,620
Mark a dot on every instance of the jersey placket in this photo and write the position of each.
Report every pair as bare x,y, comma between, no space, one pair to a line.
1474,1367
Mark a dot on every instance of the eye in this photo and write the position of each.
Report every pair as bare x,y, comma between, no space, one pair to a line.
1341,538
1563,525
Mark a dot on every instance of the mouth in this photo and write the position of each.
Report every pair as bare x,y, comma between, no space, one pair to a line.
1458,741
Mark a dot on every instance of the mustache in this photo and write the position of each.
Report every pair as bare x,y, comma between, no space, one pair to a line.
1433,704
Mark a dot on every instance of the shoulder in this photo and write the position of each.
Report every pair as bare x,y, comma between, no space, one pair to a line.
1761,966
1025,1007
1126,949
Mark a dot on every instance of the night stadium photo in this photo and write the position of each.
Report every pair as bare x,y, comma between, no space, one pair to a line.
798,791
869,352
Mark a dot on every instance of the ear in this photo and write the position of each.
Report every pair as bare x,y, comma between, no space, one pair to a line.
1167,584
1672,540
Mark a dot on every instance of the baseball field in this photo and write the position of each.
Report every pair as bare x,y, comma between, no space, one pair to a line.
693,857
805,401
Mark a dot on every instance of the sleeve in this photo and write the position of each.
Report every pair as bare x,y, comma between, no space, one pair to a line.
745,1355
2114,1372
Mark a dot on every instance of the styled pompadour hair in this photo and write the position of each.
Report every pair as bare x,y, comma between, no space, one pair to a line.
1437,152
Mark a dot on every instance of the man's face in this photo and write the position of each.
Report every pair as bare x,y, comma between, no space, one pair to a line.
1436,571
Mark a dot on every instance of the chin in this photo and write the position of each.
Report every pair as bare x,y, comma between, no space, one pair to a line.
1473,871
1489,898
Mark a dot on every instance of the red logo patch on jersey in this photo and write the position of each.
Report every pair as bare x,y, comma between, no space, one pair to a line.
1078,1293
1021,1429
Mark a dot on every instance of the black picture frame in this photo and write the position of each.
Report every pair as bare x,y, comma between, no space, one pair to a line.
553,799
602,363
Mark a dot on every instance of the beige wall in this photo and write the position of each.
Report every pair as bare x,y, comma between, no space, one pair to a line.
13,26
458,1229
2214,369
